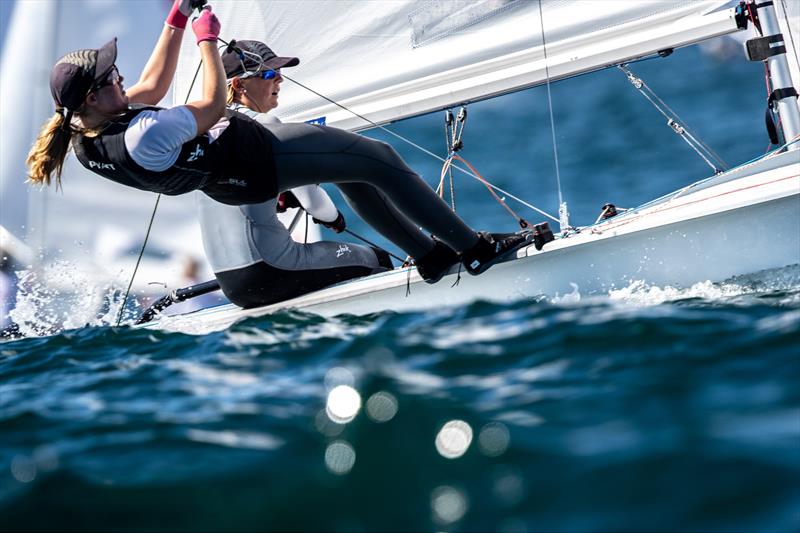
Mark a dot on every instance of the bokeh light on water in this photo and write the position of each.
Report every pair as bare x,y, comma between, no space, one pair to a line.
339,376
454,439
343,404
448,505
493,439
326,426
381,407
23,468
341,407
508,485
26,468
340,457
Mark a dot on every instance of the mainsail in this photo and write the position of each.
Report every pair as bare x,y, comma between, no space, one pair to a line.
394,59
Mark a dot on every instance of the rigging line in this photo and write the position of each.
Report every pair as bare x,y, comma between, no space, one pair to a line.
711,153
418,147
152,218
370,243
683,132
550,106
138,260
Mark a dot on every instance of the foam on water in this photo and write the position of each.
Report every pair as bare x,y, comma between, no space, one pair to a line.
61,296
783,280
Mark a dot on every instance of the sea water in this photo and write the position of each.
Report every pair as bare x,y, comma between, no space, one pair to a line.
646,408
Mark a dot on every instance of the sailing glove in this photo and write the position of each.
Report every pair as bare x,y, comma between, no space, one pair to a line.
207,26
287,200
179,14
337,225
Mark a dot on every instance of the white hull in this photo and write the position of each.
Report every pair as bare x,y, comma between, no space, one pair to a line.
737,223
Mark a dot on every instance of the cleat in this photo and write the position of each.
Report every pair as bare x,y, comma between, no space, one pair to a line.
542,234
491,249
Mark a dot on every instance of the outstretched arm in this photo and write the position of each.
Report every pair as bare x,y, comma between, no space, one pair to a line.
157,75
211,107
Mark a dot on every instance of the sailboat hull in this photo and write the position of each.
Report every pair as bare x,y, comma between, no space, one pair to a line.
739,223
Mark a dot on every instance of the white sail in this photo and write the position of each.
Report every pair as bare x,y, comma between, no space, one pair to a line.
393,59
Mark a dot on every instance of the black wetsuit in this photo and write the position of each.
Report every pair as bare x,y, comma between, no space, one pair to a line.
250,163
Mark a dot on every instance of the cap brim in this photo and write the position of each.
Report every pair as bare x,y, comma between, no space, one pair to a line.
281,62
106,57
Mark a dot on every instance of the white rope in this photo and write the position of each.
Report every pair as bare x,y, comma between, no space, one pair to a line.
420,148
550,108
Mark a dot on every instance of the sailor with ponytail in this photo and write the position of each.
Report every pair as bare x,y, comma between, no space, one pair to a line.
232,158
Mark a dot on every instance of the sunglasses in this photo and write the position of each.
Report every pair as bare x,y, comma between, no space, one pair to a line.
268,74
110,79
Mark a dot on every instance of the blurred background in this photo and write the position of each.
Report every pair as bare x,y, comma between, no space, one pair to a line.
73,250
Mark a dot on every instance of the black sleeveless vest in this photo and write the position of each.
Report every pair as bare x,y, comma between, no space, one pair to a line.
236,169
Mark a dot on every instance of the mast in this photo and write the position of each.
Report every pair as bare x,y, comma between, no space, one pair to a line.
771,48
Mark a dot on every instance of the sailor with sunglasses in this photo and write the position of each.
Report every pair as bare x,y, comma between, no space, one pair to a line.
123,136
251,252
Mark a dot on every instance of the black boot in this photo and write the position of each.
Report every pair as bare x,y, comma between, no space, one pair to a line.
435,264
492,248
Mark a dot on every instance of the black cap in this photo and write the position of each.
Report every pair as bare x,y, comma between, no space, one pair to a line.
74,74
232,62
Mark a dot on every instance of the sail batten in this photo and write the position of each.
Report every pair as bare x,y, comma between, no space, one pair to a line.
381,62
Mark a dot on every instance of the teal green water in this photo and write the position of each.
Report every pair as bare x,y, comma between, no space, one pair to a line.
594,416
647,409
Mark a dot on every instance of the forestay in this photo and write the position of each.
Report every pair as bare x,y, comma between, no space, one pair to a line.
389,60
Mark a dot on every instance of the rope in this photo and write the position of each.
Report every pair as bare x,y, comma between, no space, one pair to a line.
357,236
152,218
415,145
522,222
138,260
550,108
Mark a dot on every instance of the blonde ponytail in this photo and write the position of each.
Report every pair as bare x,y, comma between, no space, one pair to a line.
231,94
49,151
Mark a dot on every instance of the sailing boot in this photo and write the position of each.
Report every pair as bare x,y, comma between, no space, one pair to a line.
435,264
492,248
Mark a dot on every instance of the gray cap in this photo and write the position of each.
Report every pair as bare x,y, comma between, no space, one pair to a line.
236,65
74,75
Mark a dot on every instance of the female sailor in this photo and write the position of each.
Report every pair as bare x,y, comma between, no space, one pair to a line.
232,158
251,252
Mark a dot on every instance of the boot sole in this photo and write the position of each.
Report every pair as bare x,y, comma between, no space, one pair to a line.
483,267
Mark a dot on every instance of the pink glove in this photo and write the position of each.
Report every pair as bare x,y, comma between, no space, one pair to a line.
207,26
179,14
